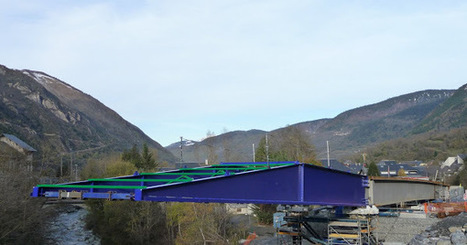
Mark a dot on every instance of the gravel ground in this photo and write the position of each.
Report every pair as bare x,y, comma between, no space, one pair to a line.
400,230
418,231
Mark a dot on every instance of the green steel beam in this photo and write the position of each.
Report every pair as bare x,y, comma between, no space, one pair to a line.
212,169
254,164
143,180
180,173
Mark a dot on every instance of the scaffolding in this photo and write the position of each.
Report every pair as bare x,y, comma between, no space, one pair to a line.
351,231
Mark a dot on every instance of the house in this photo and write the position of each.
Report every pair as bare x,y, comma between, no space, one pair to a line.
420,166
357,168
459,159
389,168
334,164
18,145
415,163
452,164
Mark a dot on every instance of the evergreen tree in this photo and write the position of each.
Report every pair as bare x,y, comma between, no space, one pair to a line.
265,213
147,159
260,152
132,156
373,169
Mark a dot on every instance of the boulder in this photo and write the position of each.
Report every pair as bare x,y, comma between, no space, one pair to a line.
443,242
419,240
453,229
458,238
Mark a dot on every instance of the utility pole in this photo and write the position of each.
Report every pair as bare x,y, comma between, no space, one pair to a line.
71,164
267,151
181,149
329,162
254,153
76,173
61,165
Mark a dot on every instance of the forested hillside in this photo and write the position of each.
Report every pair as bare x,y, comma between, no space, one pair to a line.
452,113
435,146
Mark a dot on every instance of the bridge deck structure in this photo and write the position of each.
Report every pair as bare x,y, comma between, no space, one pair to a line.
287,183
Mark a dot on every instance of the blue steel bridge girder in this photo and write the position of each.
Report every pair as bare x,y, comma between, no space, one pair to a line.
280,183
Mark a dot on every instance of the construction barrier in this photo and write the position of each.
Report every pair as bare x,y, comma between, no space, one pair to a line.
250,238
444,209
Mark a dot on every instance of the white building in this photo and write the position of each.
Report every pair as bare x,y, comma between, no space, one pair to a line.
237,208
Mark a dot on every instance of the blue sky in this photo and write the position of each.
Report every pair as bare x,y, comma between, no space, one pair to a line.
182,68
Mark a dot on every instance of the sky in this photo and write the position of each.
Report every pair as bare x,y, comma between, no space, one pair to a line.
185,68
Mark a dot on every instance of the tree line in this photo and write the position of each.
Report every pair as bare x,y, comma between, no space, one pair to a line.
433,146
127,222
23,219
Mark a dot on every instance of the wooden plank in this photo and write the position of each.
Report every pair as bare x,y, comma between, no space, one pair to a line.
345,236
343,223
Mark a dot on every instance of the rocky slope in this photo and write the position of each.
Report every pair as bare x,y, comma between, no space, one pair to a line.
54,117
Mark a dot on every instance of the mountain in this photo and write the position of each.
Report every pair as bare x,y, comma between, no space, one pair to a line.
54,117
236,146
396,117
353,130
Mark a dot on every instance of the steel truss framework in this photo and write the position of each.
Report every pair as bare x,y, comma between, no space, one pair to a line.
289,183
